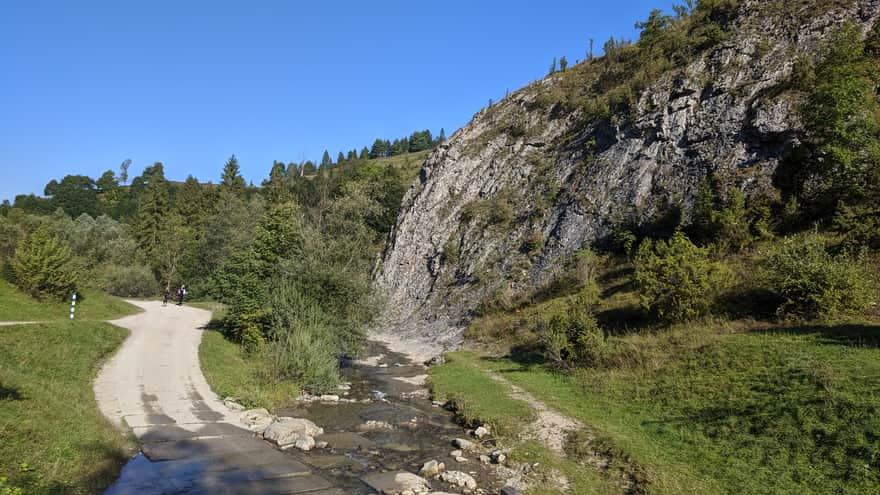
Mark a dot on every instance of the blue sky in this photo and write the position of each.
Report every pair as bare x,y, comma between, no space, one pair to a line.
86,85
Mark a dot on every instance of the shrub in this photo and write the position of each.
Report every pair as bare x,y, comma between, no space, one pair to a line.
815,284
128,281
44,266
677,281
571,336
534,242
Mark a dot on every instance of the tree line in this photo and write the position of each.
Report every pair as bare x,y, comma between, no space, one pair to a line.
290,258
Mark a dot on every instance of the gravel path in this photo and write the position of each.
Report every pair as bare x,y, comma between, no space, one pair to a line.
192,443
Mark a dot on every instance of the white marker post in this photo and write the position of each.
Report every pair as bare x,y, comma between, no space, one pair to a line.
72,305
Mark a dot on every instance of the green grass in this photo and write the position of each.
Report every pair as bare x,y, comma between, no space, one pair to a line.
727,405
231,372
476,396
777,411
92,305
480,399
48,416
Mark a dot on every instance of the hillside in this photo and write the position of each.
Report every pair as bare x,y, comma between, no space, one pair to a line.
621,140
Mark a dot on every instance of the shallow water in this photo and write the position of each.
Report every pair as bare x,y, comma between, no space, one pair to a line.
423,431
384,388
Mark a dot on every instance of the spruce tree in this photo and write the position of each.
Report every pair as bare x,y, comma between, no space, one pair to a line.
340,158
563,63
231,178
365,153
276,188
442,137
153,206
552,67
325,160
189,202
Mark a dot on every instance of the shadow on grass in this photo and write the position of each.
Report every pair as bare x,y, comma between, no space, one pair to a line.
10,393
856,335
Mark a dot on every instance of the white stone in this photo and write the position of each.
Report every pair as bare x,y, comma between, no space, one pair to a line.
459,479
463,444
375,426
431,468
256,419
286,431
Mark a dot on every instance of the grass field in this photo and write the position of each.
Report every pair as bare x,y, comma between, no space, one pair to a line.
231,372
54,439
719,405
92,305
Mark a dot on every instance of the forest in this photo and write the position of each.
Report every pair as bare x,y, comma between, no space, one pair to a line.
289,258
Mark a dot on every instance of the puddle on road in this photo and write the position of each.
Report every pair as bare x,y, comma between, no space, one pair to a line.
422,432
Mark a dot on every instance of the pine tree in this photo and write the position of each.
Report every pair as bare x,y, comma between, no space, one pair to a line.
276,188
442,137
153,205
378,150
231,178
340,158
325,160
365,153
123,171
563,63
189,202
553,66
352,155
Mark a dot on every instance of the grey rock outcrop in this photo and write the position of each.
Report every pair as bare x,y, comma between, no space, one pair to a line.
499,208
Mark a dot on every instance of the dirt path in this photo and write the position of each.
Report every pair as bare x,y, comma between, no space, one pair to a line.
549,427
192,443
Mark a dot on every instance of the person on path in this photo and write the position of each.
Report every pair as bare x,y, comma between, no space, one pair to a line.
180,293
165,296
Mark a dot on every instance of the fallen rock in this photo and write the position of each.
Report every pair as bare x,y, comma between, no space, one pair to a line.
484,459
481,432
287,431
230,404
459,479
257,419
431,468
397,483
455,453
304,442
497,457
463,444
329,398
375,426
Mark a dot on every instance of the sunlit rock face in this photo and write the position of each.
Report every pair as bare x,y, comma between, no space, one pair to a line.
500,207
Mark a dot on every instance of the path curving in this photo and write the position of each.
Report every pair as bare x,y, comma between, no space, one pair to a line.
192,443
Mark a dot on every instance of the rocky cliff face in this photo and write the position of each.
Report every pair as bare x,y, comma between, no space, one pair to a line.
500,206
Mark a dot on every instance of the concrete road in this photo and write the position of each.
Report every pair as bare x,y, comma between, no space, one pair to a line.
191,442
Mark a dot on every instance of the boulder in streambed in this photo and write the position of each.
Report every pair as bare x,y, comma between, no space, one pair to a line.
459,479
397,483
291,431
431,468
465,445
256,419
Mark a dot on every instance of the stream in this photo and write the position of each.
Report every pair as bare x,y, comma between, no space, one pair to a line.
388,388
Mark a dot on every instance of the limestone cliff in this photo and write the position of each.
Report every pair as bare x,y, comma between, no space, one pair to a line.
503,203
